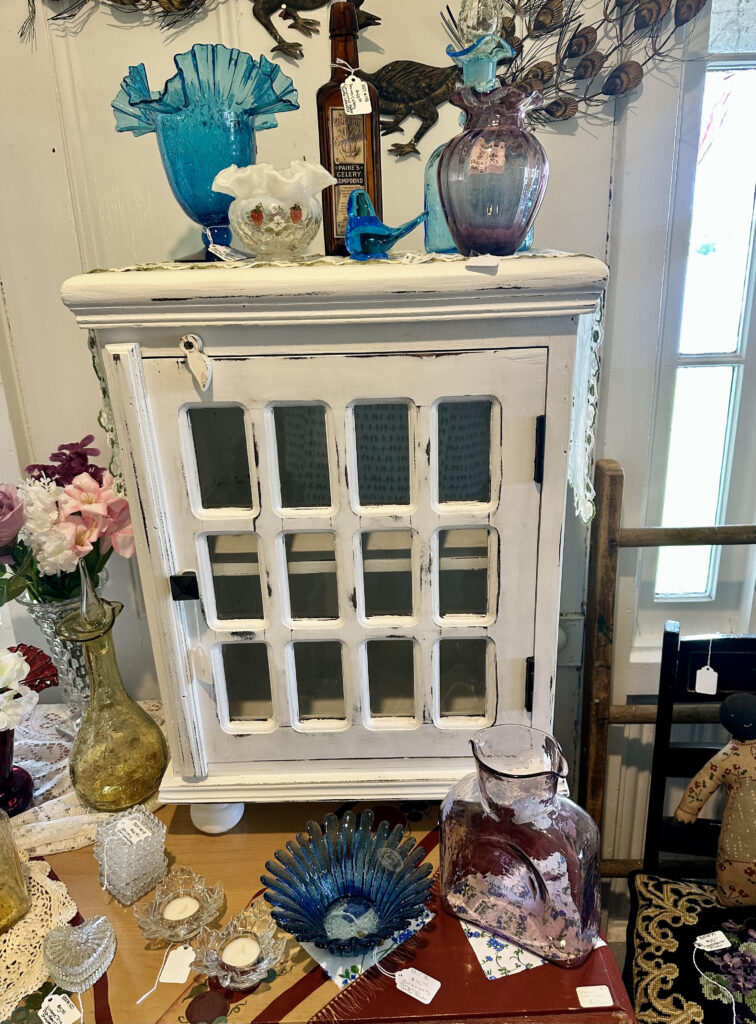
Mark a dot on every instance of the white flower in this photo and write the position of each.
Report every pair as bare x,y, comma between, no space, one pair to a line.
14,704
49,540
13,669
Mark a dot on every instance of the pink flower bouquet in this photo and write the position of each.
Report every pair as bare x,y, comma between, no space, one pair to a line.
61,514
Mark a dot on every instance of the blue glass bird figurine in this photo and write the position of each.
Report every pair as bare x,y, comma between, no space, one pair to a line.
367,237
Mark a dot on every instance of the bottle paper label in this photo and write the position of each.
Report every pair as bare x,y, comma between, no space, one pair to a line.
356,97
416,984
348,144
58,1009
131,831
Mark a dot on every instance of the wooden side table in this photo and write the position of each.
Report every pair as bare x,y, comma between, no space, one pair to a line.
305,993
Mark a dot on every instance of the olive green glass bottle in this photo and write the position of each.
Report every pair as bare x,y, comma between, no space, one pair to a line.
14,899
119,754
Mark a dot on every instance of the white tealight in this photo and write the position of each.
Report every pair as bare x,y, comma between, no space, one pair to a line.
180,908
241,952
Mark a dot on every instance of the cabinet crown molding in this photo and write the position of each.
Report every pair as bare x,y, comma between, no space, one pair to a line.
559,284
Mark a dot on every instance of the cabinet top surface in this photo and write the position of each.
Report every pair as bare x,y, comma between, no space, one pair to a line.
226,293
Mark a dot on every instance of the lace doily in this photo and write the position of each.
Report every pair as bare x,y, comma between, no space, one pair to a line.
584,412
57,820
22,965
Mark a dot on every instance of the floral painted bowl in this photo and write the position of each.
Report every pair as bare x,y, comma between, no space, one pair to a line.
344,887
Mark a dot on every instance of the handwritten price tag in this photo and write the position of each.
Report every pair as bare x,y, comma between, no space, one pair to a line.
58,1009
594,995
416,984
356,97
131,831
712,941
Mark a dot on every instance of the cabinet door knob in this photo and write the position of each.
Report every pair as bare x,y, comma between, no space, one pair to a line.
184,587
197,362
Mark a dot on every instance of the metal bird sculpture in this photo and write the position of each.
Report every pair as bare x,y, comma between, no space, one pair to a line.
367,237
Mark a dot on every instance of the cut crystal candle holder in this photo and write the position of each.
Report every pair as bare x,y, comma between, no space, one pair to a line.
242,953
77,956
346,888
130,849
183,905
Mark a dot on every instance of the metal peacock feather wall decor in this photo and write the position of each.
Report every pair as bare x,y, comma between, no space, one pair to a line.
577,64
169,13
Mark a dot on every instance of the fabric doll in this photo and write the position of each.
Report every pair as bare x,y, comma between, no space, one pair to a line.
733,767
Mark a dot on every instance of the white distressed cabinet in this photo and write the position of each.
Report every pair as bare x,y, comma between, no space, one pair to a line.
348,488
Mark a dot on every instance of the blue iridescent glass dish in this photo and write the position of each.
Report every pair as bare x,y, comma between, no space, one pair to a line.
344,887
205,118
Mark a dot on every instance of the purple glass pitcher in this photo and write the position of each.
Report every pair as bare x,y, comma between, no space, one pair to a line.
517,858
493,175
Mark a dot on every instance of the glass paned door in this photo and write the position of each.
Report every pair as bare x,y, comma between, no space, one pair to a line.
368,589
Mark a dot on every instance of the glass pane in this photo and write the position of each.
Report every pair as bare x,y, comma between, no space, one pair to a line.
320,682
247,682
733,26
302,456
716,272
220,448
236,575
391,678
462,677
387,572
463,572
694,472
464,451
383,457
311,564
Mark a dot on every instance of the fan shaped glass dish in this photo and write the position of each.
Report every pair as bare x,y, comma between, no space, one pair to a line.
346,888
183,905
251,934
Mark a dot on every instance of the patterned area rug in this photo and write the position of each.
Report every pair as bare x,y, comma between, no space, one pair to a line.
666,917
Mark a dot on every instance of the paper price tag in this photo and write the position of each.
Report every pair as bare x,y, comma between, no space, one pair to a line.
416,984
131,831
356,97
706,680
176,967
712,941
594,995
58,1009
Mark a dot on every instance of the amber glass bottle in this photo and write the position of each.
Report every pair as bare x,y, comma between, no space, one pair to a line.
350,144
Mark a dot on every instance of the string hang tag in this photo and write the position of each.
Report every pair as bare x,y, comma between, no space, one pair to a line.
57,1008
354,92
706,677
412,982
175,968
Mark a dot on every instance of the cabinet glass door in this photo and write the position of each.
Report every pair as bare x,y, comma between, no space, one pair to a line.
364,530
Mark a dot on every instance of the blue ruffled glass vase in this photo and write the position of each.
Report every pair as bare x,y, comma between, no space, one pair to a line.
205,118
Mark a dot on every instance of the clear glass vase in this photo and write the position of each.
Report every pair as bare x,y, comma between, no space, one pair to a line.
69,658
492,177
516,858
119,755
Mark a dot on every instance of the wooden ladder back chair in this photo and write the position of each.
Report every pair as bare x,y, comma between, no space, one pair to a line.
733,658
607,537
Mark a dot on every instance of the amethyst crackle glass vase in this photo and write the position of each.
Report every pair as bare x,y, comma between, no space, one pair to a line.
205,118
493,175
516,858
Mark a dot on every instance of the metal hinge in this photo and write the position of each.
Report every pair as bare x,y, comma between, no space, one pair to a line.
529,683
540,449
184,587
